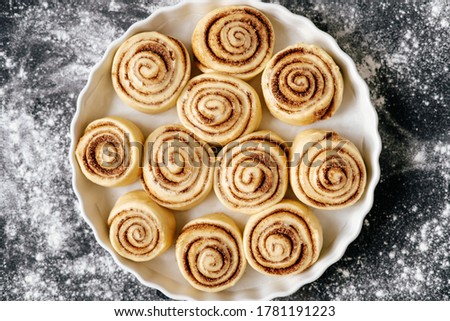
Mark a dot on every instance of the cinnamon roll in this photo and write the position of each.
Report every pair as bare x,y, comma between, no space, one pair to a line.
302,84
140,229
219,108
284,239
209,253
109,152
235,40
326,170
150,70
178,167
251,172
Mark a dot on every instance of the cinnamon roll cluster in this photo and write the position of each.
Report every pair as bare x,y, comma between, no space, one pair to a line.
251,174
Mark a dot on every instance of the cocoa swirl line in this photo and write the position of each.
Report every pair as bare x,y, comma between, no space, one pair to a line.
179,168
237,60
99,135
218,110
141,232
341,163
223,249
150,71
298,253
248,178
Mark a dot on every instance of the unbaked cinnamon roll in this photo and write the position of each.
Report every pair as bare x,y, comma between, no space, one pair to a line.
140,229
219,108
150,70
235,40
251,172
302,84
284,239
326,170
178,167
209,253
109,152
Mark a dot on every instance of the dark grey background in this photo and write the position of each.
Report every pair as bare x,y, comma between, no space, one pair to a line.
47,50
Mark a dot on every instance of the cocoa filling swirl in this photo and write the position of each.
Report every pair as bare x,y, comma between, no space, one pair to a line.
301,80
152,70
217,107
251,173
281,243
137,233
177,168
212,255
334,175
240,38
107,153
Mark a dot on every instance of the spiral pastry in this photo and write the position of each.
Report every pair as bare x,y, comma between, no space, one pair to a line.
251,173
178,167
302,84
140,229
327,170
108,152
150,70
219,108
235,40
282,240
209,253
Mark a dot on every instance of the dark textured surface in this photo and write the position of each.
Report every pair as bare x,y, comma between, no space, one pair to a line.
47,50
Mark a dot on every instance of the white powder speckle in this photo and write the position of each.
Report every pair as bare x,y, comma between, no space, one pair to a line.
423,247
32,278
114,6
418,275
11,231
379,293
345,273
22,74
369,67
408,34
420,157
436,8
446,211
